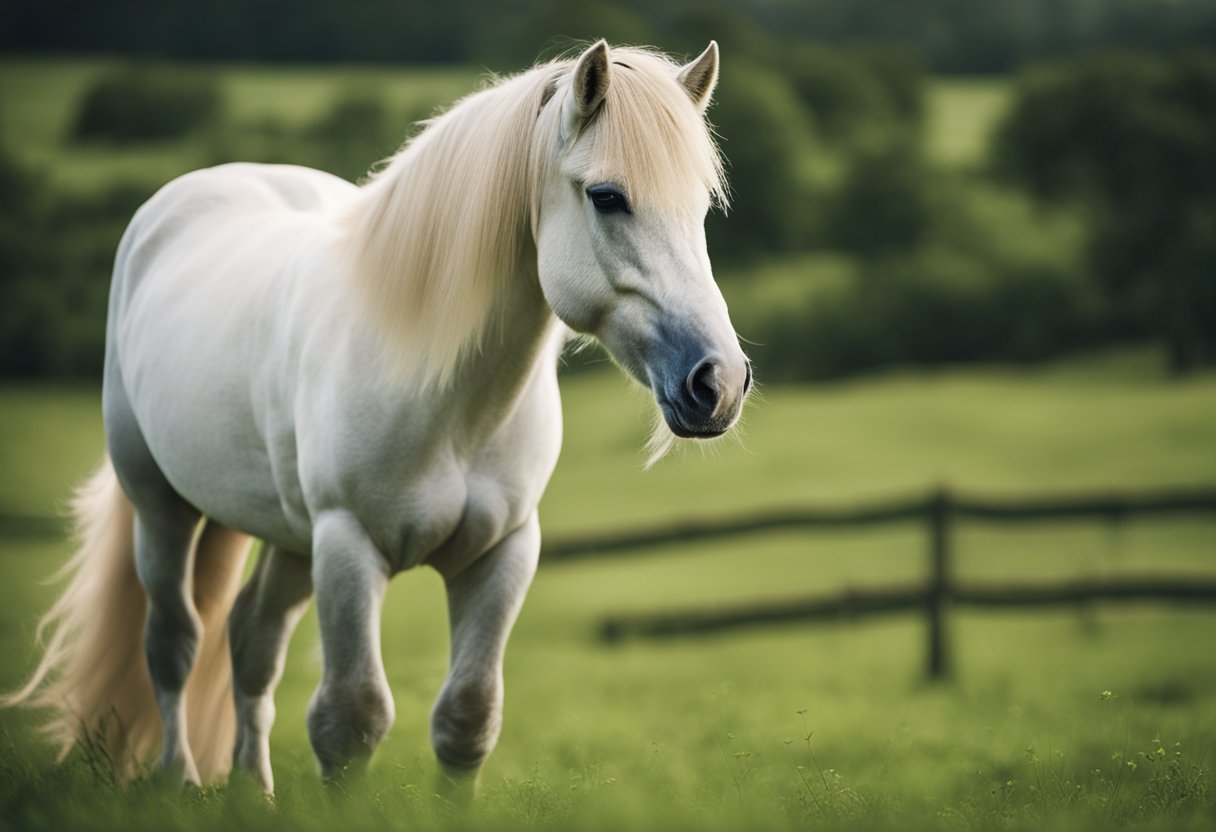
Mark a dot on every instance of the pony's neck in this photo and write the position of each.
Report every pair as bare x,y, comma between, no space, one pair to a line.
489,383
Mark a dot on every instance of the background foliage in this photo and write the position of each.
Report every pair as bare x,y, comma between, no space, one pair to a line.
953,36
1087,221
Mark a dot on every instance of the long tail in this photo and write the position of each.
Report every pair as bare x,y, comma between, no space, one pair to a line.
93,676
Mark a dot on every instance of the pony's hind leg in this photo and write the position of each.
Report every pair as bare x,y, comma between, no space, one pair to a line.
352,709
260,626
165,529
164,539
483,603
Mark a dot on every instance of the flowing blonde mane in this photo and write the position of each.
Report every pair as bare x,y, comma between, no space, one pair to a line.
448,221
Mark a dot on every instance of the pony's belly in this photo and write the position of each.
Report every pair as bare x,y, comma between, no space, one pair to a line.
266,521
213,448
232,488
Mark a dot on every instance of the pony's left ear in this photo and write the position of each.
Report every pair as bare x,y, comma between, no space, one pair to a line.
700,76
588,86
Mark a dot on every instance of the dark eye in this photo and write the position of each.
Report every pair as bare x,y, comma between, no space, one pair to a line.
607,199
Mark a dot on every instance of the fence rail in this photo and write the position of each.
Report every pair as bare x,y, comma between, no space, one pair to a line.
933,598
904,598
1111,506
31,525
938,511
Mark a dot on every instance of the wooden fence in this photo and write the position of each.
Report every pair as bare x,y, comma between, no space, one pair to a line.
940,591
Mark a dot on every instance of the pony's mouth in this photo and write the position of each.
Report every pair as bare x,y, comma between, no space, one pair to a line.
709,430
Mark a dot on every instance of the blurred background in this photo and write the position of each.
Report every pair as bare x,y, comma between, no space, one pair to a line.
971,246
919,182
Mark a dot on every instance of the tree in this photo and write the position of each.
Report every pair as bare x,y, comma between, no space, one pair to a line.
1129,139
766,136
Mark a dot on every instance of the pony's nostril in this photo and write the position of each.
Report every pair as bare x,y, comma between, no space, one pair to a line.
701,386
747,382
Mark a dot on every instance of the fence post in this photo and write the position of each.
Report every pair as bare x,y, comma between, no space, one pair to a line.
939,584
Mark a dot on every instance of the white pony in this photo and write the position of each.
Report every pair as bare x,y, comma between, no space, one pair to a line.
365,379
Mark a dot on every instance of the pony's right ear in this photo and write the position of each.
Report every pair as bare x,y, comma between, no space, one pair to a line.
588,85
700,76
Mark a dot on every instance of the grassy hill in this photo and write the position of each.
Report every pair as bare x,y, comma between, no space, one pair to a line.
712,734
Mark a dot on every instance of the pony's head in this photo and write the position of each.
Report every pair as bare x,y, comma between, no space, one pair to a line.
607,166
629,171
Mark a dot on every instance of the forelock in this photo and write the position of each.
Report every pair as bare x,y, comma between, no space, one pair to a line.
648,136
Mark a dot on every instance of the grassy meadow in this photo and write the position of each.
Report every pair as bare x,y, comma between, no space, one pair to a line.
712,733
1088,718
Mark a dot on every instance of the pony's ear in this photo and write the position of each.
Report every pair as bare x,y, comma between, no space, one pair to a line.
589,84
700,76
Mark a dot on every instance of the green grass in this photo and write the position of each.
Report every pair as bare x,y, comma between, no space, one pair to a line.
52,438
1088,423
707,733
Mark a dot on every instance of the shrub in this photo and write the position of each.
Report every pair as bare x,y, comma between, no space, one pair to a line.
23,228
357,131
134,104
858,95
766,137
56,253
1129,138
937,306
885,203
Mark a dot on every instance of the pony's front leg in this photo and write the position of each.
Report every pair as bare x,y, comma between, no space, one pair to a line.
352,708
259,628
483,602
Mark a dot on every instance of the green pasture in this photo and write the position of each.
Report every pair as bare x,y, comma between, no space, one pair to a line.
713,733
